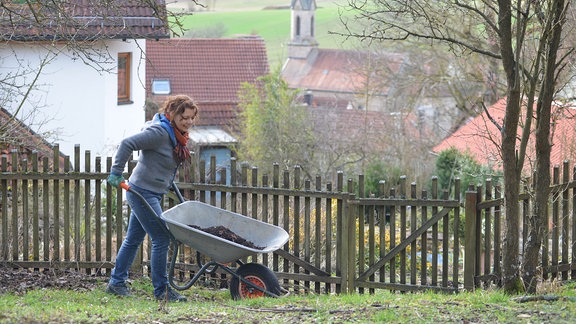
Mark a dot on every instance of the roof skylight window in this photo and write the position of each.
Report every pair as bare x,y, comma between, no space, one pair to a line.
161,87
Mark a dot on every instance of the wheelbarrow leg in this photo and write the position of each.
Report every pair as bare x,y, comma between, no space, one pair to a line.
205,268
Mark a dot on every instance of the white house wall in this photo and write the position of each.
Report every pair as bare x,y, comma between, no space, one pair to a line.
78,103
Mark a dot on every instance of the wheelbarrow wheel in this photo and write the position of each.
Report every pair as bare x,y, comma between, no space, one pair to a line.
258,275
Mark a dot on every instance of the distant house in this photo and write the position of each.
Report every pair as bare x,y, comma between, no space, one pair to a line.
211,71
481,138
189,5
359,79
336,78
20,138
88,61
331,77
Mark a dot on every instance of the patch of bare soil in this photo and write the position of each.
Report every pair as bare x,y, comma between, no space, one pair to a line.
20,281
227,234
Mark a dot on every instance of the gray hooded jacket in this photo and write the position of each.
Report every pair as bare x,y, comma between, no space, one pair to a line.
156,165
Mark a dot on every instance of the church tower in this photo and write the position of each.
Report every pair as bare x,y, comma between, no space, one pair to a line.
302,39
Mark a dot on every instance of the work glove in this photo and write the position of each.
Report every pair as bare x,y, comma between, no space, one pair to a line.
115,179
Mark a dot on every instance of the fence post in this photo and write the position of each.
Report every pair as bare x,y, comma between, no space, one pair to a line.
470,239
349,240
341,255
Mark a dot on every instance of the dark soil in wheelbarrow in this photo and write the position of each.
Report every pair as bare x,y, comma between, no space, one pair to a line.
227,234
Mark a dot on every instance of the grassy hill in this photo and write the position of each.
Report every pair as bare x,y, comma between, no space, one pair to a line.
267,18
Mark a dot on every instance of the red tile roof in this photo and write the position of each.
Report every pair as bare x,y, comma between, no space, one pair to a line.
481,137
211,71
374,131
83,19
216,113
335,70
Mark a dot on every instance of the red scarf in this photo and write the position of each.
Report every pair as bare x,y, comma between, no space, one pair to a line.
181,152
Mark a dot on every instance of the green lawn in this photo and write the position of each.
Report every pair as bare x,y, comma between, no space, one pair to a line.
272,25
90,304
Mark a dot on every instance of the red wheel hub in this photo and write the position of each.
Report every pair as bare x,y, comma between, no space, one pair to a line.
247,291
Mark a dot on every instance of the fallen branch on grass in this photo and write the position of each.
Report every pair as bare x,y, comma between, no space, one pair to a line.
525,299
280,310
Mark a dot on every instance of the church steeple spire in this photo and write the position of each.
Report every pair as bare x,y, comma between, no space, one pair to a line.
302,28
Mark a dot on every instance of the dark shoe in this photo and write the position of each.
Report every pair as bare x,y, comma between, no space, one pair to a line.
171,296
121,290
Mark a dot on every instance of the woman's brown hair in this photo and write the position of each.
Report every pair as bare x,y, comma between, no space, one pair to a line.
175,105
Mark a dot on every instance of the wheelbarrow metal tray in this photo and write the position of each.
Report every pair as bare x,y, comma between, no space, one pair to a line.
182,217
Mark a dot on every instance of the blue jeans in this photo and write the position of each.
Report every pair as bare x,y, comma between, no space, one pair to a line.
143,222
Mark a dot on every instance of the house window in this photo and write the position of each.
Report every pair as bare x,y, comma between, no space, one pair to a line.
124,74
298,26
161,87
312,26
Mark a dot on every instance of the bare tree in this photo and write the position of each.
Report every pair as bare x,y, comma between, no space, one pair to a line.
526,38
13,85
411,83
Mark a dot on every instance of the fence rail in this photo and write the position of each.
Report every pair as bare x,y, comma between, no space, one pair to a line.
410,238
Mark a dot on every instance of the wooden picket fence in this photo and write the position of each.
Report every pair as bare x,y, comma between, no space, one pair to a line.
558,252
406,239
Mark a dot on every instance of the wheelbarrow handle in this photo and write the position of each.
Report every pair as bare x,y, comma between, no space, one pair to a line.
177,192
124,185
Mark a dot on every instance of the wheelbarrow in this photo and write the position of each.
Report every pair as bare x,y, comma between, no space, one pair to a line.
184,223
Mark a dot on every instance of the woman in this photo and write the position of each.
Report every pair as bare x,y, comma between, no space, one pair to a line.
163,148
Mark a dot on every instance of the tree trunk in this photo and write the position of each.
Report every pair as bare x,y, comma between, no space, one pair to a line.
512,169
539,219
510,252
536,226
